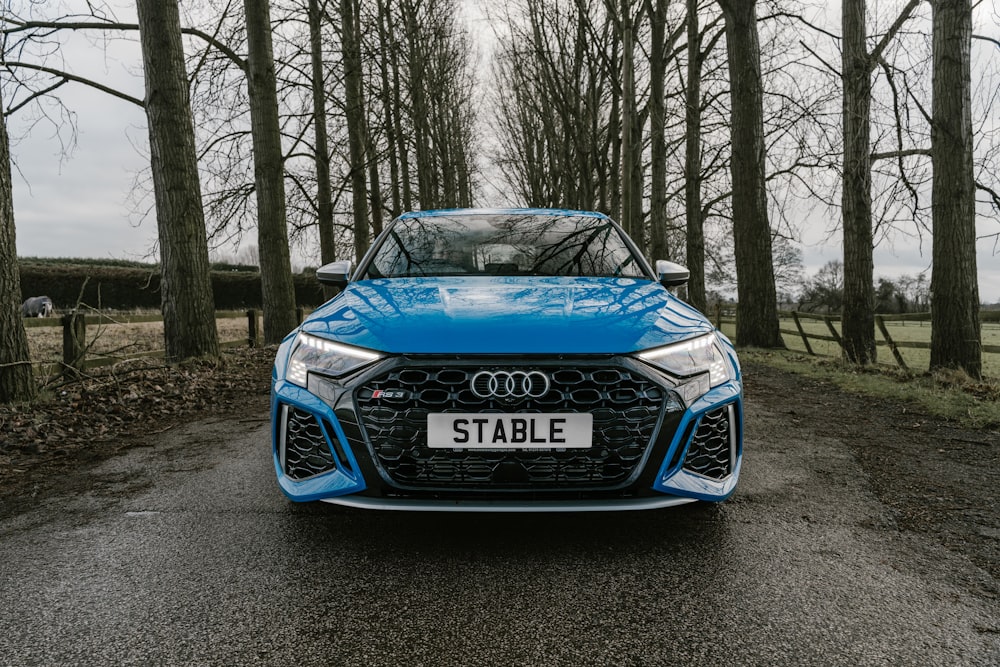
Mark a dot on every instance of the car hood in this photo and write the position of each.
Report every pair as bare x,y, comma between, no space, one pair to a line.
506,315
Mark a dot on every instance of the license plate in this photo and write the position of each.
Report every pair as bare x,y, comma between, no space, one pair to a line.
570,430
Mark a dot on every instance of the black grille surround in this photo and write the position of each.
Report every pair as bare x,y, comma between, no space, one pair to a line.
627,407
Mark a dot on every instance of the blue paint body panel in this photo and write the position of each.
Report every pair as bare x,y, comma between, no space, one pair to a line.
518,317
506,315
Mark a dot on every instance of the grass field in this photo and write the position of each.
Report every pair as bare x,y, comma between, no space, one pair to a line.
942,394
45,342
918,360
117,340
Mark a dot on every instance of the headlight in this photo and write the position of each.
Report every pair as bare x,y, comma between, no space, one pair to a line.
312,353
694,357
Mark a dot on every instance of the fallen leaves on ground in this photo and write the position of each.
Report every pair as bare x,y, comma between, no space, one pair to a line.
94,416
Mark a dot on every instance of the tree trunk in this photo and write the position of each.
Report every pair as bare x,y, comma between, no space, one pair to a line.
374,185
757,311
185,286
956,337
695,242
630,218
859,290
638,182
615,134
401,138
389,111
426,196
354,112
371,152
17,382
269,173
658,242
461,141
324,190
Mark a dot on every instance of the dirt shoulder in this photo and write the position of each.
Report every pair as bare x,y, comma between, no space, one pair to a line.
937,478
80,423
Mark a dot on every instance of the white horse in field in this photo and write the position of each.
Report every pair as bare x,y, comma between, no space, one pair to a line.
37,306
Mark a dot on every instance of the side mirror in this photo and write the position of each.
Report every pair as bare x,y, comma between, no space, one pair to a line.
671,274
337,274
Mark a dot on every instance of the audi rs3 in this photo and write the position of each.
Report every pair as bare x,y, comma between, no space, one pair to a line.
506,360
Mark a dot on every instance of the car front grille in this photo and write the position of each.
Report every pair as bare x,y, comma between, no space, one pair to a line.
711,452
305,450
625,406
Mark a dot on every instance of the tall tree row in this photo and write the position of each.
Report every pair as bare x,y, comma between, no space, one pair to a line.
623,107
712,129
385,114
903,145
557,96
589,97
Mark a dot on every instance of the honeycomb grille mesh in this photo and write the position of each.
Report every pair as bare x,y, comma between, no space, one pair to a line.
710,453
306,451
625,408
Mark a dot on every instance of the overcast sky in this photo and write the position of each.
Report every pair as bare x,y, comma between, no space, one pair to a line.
81,205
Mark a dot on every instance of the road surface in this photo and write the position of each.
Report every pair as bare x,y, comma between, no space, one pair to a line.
183,552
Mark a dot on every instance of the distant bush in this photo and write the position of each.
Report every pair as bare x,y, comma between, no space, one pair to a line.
225,266
87,261
124,287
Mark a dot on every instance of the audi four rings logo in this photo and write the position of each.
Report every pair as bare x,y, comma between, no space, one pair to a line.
510,384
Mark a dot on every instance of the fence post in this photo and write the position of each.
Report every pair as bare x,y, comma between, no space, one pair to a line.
253,337
834,332
892,344
802,332
74,337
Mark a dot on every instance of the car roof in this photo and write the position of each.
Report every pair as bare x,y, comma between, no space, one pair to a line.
499,211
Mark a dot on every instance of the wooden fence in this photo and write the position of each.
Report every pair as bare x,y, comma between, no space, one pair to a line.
74,326
831,322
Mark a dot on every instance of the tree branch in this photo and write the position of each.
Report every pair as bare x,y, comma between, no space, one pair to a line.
883,43
820,58
800,19
101,25
991,192
73,77
35,95
991,40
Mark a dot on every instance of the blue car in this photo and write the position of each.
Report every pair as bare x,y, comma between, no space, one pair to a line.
506,360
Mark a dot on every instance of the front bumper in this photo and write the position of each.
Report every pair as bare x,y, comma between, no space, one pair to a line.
330,443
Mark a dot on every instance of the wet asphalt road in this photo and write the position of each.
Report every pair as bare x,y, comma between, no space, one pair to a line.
185,553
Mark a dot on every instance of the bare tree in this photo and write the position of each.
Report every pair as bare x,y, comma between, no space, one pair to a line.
186,288
324,188
659,245
956,338
757,311
623,15
355,111
695,240
859,290
272,231
17,382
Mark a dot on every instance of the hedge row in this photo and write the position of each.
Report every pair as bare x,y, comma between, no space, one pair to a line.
122,288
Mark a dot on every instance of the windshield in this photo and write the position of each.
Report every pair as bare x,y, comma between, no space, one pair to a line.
504,245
